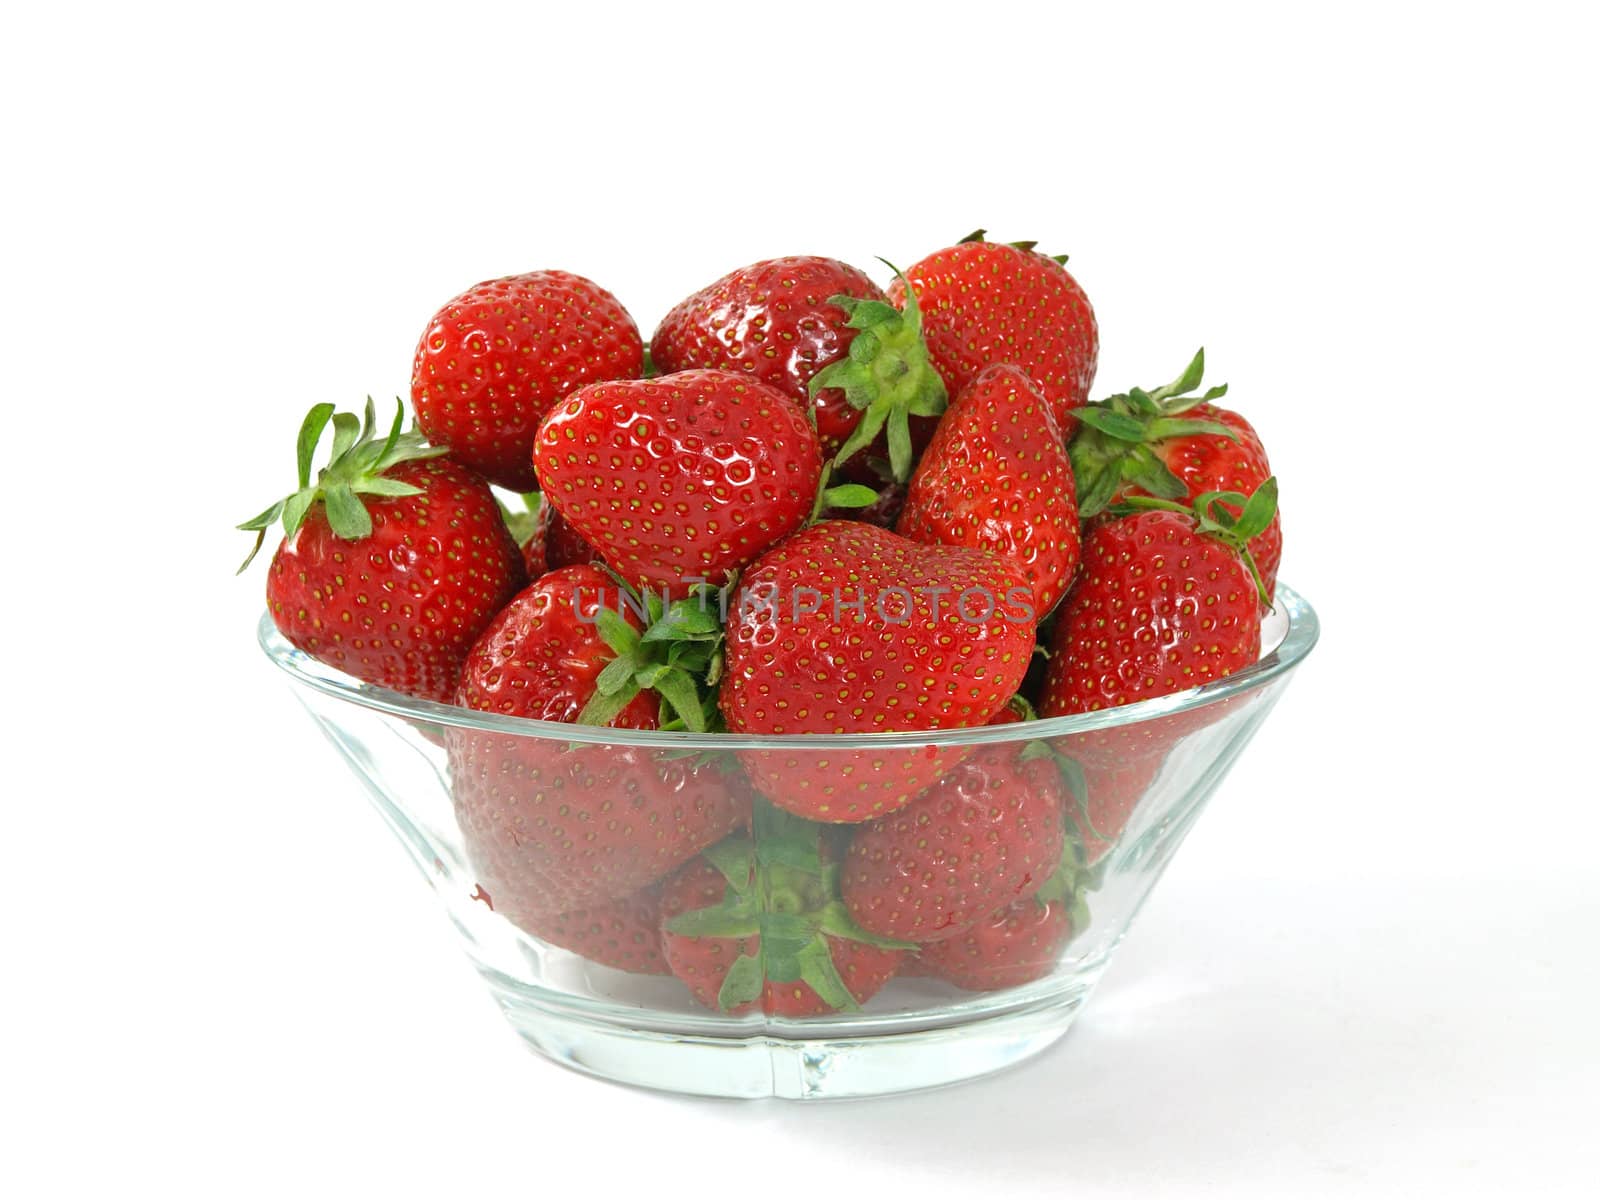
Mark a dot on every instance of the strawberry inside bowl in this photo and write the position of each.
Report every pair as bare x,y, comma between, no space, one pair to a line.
679,910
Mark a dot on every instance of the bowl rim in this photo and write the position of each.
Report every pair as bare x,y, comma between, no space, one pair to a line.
1300,636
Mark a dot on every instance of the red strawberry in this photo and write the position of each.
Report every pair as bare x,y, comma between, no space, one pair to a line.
550,825
680,477
701,960
547,540
986,834
551,828
1020,942
745,928
1108,772
1166,601
988,302
625,934
774,321
495,359
1177,446
542,655
392,562
794,323
996,478
563,545
848,628
533,554
530,528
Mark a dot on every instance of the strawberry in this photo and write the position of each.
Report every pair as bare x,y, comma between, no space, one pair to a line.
495,359
1170,443
1168,600
1107,773
547,540
553,825
1111,792
530,528
551,828
819,331
563,545
986,834
702,960
392,561
624,934
534,555
543,654
759,924
1019,943
989,302
681,477
996,477
848,628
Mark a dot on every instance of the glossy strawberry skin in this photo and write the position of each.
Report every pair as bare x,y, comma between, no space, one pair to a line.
542,653
894,665
624,934
401,607
987,834
771,321
1019,944
996,477
680,477
1158,608
988,302
1208,462
494,360
552,826
703,962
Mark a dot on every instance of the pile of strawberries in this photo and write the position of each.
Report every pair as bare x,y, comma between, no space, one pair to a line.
810,507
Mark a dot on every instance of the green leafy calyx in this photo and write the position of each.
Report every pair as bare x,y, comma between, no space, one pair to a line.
980,235
1023,707
1068,878
678,655
781,891
1072,777
887,374
357,461
1115,445
1213,517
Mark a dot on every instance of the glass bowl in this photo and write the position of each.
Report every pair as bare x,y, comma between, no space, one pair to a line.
477,802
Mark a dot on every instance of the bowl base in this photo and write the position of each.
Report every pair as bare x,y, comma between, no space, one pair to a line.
787,1066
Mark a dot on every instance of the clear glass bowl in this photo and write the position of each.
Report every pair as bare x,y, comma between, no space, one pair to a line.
1146,771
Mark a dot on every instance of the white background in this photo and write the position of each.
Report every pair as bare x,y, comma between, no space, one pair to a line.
1372,970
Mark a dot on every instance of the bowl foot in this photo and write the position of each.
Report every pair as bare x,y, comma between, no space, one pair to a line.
790,1065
